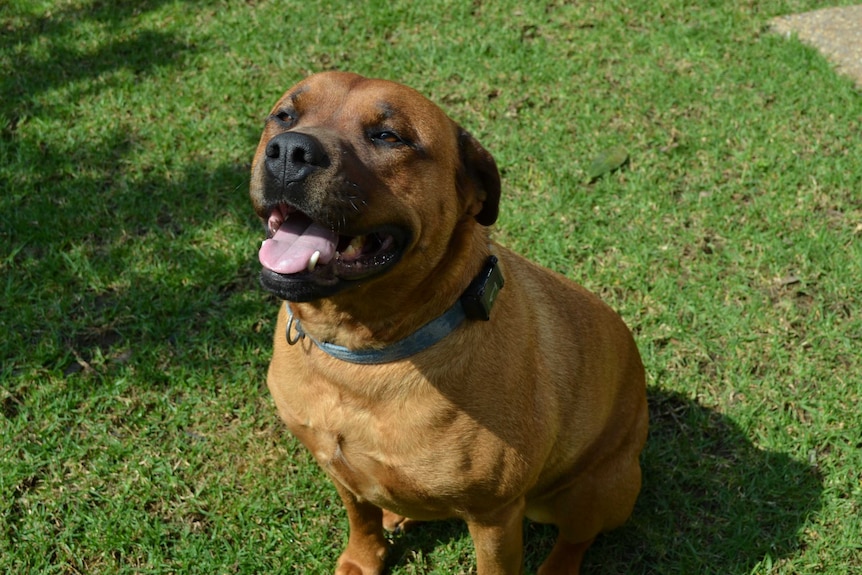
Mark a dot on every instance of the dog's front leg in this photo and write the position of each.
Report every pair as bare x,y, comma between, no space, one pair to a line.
498,538
366,545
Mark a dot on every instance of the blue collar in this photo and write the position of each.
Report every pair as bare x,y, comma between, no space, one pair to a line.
421,339
475,303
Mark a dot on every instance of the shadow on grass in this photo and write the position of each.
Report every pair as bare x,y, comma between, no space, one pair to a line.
102,259
712,503
419,543
106,254
56,64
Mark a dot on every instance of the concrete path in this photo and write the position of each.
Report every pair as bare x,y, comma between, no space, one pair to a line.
836,32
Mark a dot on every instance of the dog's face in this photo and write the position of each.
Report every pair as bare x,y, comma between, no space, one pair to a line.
357,178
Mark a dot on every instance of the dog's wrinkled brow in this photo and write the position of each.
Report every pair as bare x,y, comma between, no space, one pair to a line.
297,93
387,111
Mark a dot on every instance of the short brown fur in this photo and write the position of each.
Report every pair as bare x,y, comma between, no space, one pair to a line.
539,412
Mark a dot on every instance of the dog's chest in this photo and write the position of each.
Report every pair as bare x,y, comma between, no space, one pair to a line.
415,456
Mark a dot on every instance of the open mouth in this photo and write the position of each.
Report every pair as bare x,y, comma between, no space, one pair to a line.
299,247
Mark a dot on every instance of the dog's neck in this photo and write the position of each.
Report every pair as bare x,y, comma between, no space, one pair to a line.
421,339
407,315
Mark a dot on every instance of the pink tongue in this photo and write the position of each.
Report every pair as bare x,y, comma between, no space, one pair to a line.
292,246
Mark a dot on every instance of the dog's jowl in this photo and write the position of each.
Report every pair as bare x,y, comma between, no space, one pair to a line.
432,372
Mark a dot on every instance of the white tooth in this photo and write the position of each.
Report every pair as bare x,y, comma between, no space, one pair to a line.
312,261
355,246
275,221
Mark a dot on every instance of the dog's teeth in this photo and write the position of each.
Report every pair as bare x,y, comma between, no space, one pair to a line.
354,248
275,222
312,261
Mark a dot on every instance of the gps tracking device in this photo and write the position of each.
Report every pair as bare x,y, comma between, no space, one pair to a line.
478,299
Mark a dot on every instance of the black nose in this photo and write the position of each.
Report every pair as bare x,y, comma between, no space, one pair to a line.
291,157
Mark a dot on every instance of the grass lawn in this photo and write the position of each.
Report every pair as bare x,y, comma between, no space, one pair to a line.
136,432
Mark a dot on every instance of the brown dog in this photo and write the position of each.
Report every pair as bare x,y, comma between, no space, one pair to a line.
386,365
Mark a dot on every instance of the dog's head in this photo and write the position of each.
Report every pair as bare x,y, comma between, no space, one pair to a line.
354,177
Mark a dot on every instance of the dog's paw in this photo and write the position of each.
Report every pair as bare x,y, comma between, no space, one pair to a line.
351,568
367,561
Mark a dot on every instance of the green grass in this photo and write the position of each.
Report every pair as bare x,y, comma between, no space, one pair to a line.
137,432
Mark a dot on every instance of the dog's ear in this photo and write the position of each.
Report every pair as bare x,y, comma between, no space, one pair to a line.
478,175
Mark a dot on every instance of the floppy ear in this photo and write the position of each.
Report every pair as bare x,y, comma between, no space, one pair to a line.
478,175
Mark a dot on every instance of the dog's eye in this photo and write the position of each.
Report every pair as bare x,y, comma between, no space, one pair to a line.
387,137
285,117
